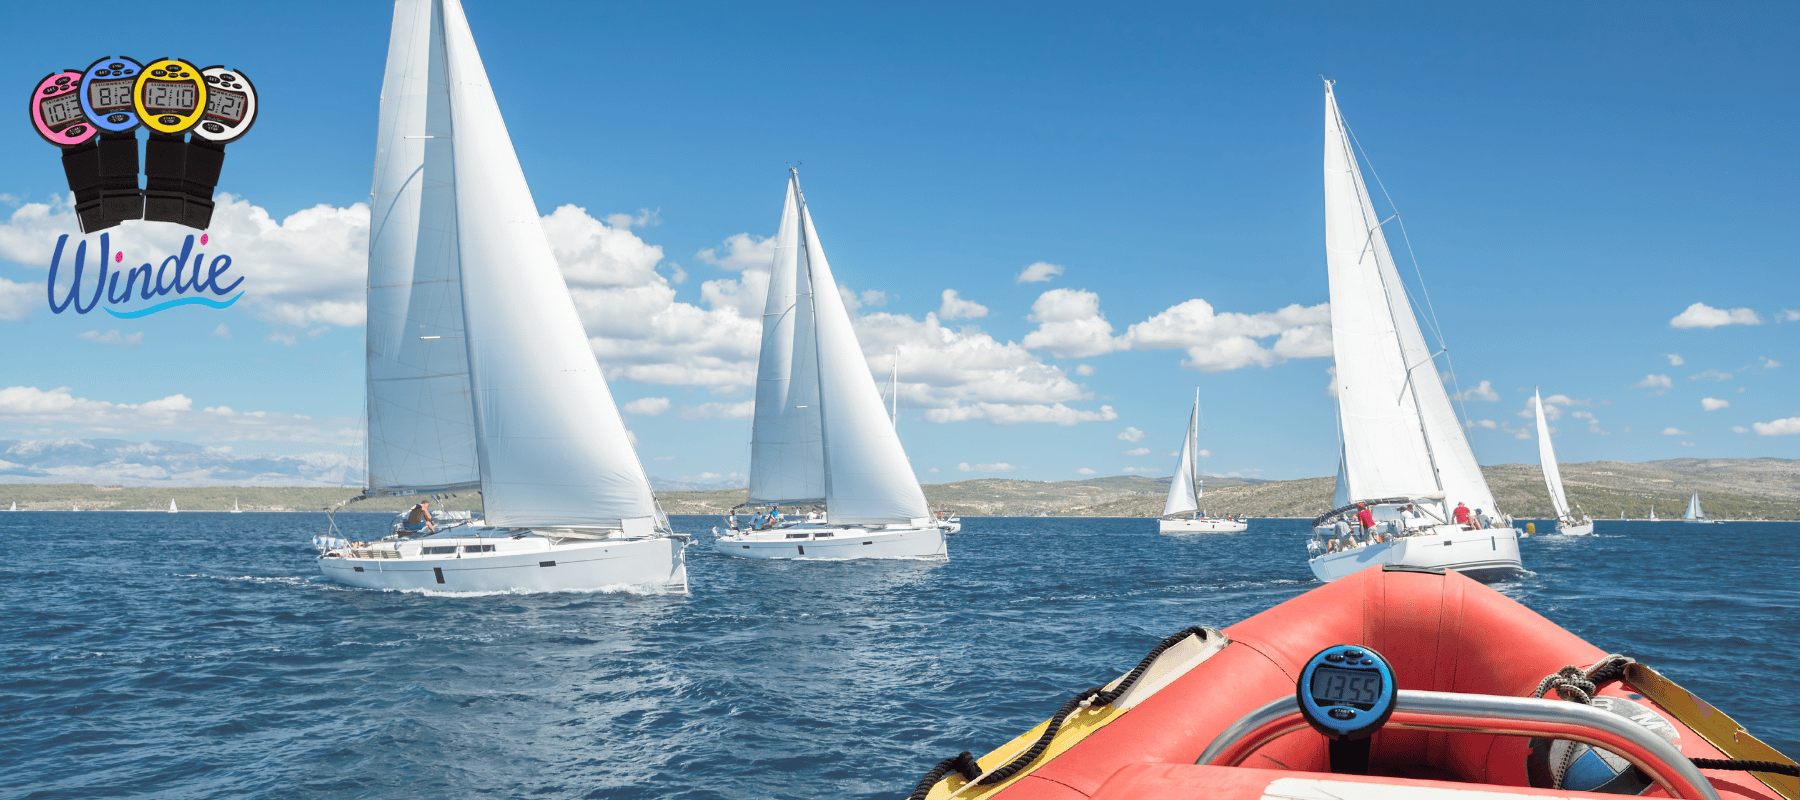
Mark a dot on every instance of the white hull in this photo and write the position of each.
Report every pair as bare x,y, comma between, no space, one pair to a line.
1702,521
1584,528
951,525
1446,547
833,542
528,564
1200,525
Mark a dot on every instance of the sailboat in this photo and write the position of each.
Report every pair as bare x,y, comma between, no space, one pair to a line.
1185,490
234,506
820,434
1621,516
15,505
479,373
1694,514
1402,450
1566,523
1653,514
172,508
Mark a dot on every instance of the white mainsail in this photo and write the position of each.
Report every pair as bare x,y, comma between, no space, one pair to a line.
868,479
552,446
421,428
1400,435
1183,498
1547,457
787,451
1693,509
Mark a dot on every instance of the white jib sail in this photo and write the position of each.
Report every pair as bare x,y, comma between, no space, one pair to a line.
554,450
1182,497
1693,509
1401,436
787,452
421,428
1547,457
868,479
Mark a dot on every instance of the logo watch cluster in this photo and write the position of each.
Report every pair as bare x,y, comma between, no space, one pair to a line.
93,115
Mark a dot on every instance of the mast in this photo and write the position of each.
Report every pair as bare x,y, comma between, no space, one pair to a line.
787,450
894,389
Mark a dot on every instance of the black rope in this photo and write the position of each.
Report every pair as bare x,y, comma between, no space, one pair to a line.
1097,696
963,764
1577,685
1772,767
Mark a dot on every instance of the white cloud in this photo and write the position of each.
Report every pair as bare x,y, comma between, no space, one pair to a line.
1675,359
1084,370
1204,453
600,254
1131,435
1038,273
995,467
1139,469
955,307
223,331
1086,471
1485,423
963,373
1485,392
112,337
1217,342
1714,403
60,411
741,251
1660,383
1140,451
1518,432
1788,315
1739,429
1769,363
1002,414
1070,325
17,299
1701,315
1592,421
1673,431
647,406
1780,427
1710,375
743,410
873,297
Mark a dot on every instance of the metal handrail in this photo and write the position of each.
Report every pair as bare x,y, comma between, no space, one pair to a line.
1485,713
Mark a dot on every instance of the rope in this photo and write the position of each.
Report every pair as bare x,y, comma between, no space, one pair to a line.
1097,696
1771,767
963,763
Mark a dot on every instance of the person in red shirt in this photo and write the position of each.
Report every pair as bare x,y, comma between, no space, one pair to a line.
1462,514
1366,516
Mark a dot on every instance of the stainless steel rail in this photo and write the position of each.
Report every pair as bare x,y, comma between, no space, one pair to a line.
1484,713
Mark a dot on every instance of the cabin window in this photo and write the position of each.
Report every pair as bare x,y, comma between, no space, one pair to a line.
438,551
478,548
798,535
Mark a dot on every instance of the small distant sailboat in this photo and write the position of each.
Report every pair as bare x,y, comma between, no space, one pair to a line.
817,436
1186,489
1694,514
15,506
1653,514
172,508
234,507
1621,516
1566,523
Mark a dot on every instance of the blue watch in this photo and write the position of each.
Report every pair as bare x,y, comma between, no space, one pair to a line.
1346,692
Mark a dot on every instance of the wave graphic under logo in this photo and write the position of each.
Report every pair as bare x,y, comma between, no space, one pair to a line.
173,303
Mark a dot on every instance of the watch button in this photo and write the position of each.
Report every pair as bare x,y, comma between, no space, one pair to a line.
1353,654
1334,657
115,65
228,76
213,127
117,119
169,119
1367,662
212,79
1341,713
158,73
76,131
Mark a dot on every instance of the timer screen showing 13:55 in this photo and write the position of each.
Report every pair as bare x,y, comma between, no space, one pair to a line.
1343,685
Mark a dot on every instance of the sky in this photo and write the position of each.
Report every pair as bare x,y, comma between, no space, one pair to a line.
1067,217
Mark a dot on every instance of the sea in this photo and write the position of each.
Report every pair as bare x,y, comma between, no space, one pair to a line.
200,655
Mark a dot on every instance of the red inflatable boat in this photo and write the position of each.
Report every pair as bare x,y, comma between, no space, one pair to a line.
1229,714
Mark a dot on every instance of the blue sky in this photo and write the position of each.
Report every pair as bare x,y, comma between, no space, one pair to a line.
1574,179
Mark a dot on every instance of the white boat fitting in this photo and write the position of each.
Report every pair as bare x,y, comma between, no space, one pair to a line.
1567,523
1694,514
1400,440
1186,489
481,559
1413,540
503,395
951,523
820,434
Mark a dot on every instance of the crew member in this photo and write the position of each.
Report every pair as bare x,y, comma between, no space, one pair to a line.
419,518
1462,514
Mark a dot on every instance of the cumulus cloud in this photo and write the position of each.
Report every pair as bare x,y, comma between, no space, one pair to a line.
1084,370
18,299
1554,406
1768,363
1485,423
1673,431
1788,315
1675,359
1038,273
1485,391
1701,315
1139,469
59,411
1131,435
1714,403
1660,383
1739,429
1070,325
1000,466
1710,375
743,410
1086,471
1780,427
1139,451
1592,421
1217,342
955,307
647,406
112,337
741,251
596,253
1203,453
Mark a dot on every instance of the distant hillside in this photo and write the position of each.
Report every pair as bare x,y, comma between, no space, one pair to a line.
1743,488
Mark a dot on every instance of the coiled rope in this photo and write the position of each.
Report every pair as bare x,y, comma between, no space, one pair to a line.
1576,685
965,765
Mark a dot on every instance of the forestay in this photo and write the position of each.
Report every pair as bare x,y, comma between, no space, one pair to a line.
1547,457
1400,435
553,448
421,428
1182,497
787,456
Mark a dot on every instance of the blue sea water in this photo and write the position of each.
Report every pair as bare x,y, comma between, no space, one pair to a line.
201,656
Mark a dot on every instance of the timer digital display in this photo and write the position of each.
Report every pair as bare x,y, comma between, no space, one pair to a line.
226,105
104,96
1332,685
170,96
61,111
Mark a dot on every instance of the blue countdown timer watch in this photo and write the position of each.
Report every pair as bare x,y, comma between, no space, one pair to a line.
1346,692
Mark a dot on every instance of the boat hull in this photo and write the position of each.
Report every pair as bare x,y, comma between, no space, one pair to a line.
1484,555
654,563
1576,529
827,542
1200,525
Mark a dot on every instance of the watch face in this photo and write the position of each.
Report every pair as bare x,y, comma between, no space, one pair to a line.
226,106
166,96
56,110
105,96
61,111
107,91
230,105
169,95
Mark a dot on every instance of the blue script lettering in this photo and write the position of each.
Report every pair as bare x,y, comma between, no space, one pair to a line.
73,295
158,281
219,265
